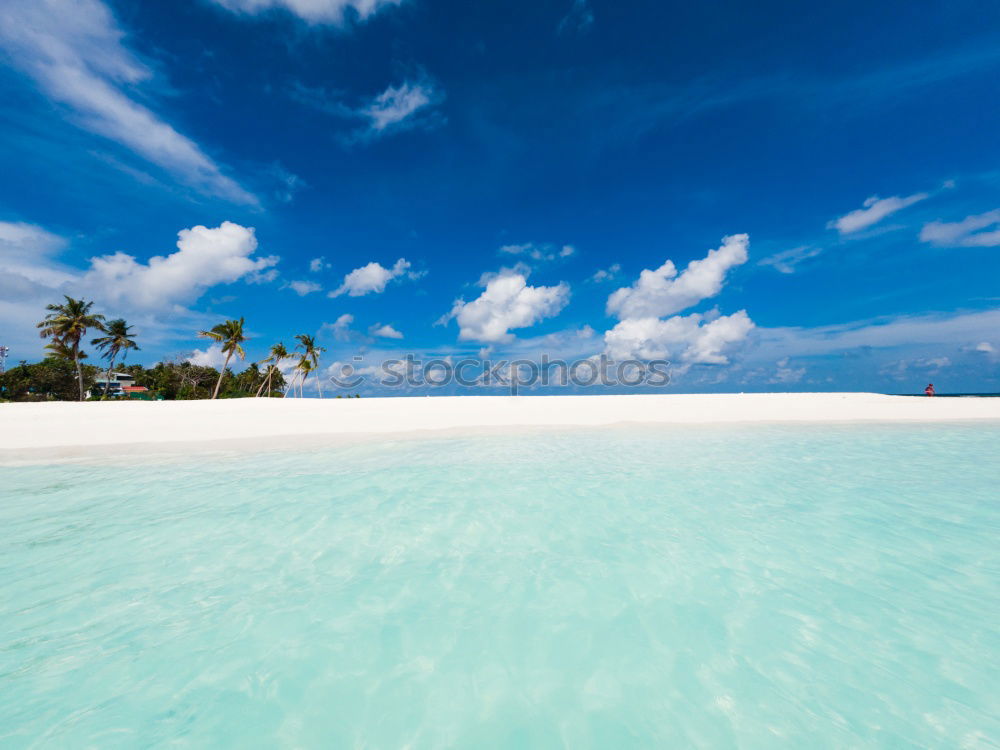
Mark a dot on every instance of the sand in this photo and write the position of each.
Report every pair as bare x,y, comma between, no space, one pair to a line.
63,428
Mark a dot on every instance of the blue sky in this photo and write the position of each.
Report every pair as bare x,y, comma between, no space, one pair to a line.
506,179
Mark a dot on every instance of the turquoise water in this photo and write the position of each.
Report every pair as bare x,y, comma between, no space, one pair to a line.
752,587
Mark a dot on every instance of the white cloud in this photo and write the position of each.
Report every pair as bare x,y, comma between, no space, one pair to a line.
662,292
986,347
875,209
341,327
692,339
74,51
385,331
965,233
607,274
19,239
507,302
210,357
539,252
318,264
395,105
313,11
406,106
204,257
902,369
373,277
787,260
25,258
786,374
937,330
152,296
302,288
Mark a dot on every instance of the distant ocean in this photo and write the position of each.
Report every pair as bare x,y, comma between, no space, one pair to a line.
760,586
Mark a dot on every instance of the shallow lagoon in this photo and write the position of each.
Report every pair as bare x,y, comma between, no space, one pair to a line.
751,586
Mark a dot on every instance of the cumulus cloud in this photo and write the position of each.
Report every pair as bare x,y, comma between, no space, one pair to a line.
874,210
74,51
662,291
312,11
204,257
152,295
644,332
210,357
385,331
965,233
373,278
302,288
692,339
340,328
507,302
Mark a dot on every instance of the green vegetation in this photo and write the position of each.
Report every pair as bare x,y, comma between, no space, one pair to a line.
62,375
230,335
118,340
66,325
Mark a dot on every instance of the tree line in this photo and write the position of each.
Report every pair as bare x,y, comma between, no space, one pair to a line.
63,374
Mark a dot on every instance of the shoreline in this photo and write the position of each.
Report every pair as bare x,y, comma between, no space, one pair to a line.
72,429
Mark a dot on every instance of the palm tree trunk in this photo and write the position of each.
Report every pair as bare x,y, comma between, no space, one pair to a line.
107,381
289,385
79,370
218,383
262,384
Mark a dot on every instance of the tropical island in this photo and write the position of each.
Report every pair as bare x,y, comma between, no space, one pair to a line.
64,375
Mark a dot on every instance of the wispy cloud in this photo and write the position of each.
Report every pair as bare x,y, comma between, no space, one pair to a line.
625,109
313,11
74,50
578,20
965,233
787,260
302,288
543,252
873,210
409,105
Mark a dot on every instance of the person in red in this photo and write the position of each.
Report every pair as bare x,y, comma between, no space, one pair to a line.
929,390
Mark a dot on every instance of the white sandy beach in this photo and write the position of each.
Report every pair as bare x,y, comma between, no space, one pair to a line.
66,428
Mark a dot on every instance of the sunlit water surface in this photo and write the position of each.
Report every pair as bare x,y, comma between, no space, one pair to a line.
754,587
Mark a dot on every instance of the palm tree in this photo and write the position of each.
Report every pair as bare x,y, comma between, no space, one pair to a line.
66,325
311,353
118,340
230,335
277,355
304,366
